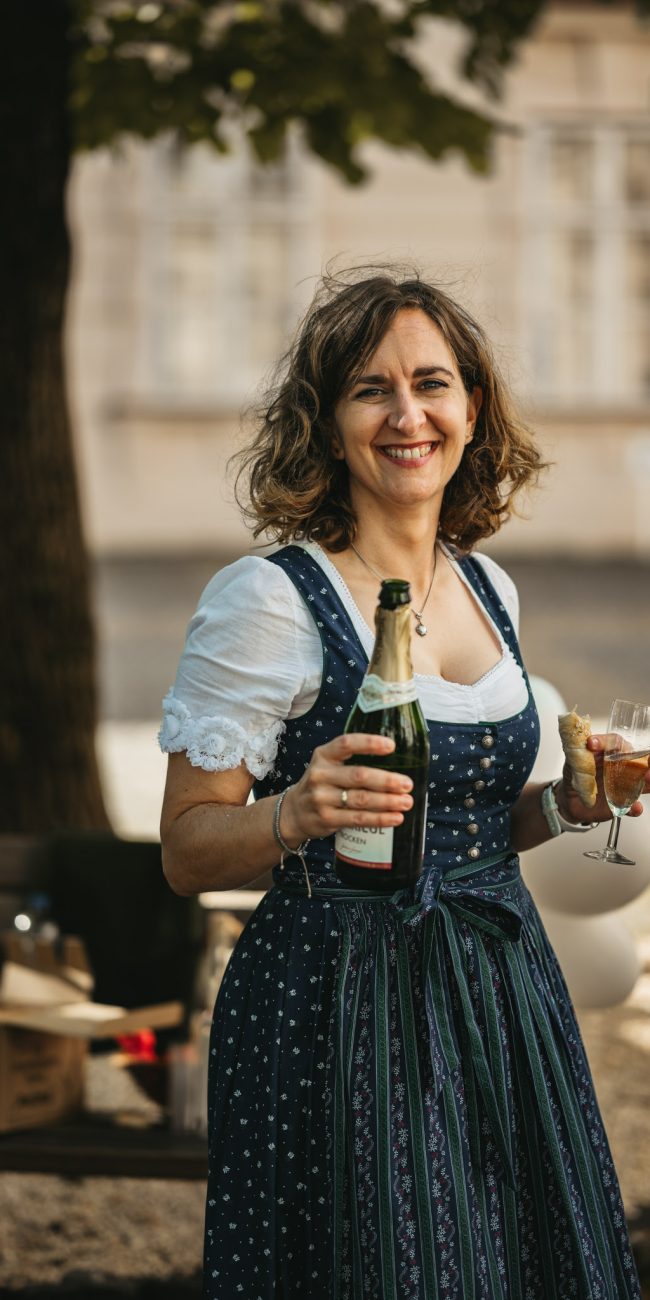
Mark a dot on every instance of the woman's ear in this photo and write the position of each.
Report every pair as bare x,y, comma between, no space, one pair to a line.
474,404
337,450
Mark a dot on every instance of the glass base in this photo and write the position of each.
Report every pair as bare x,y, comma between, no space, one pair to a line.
610,855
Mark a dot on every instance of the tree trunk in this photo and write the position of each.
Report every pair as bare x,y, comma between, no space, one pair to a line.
48,770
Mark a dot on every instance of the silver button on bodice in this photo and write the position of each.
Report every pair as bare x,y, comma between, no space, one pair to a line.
485,763
487,742
469,802
472,828
479,785
473,853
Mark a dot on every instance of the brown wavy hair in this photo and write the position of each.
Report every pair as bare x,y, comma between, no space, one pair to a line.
297,490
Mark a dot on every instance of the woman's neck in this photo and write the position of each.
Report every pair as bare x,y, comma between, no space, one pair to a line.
391,555
397,552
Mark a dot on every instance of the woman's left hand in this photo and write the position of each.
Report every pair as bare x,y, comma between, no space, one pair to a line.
569,802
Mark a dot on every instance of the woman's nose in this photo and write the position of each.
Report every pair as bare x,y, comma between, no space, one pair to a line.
406,414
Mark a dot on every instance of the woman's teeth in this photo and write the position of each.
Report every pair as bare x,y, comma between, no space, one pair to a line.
409,453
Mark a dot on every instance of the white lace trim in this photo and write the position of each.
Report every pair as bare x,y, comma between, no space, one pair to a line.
216,744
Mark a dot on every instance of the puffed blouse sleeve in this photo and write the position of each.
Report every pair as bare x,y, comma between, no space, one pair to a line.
239,672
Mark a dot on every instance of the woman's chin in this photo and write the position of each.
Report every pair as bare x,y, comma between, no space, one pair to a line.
406,496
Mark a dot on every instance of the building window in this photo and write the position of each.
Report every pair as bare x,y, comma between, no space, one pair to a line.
225,246
586,273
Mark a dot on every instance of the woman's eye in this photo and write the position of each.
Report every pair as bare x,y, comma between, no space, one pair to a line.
426,385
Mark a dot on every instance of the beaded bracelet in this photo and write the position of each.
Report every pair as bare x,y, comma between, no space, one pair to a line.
287,851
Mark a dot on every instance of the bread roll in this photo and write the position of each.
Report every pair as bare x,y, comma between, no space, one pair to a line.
574,734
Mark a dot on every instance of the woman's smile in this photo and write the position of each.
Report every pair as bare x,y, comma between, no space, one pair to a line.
410,456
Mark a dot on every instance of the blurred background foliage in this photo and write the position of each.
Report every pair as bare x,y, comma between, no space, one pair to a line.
347,71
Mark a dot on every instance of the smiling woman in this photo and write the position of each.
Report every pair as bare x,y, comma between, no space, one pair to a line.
399,1101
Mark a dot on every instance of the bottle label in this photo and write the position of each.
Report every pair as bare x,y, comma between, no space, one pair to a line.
375,693
366,846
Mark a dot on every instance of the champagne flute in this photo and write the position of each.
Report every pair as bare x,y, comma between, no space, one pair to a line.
626,757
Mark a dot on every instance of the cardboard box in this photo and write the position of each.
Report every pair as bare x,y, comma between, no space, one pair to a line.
41,1077
46,1021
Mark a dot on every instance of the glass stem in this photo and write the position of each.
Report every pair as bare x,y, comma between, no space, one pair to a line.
615,827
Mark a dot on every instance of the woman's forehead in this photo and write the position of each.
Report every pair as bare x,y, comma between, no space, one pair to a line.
412,337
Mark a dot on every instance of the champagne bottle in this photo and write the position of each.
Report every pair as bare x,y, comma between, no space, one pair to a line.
389,857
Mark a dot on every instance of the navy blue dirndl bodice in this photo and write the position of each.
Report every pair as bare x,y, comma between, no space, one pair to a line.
477,770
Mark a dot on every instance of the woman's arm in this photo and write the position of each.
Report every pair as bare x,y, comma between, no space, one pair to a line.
213,839
528,825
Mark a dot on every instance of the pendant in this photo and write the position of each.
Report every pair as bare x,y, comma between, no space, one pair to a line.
420,627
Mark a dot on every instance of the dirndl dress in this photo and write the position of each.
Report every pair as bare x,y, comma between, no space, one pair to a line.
400,1105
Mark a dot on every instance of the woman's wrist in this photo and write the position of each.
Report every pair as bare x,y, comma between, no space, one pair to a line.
289,849
285,833
557,812
561,799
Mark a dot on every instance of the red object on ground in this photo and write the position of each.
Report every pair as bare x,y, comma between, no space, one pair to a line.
141,1046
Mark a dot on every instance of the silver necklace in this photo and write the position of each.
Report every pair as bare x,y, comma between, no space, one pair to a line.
420,625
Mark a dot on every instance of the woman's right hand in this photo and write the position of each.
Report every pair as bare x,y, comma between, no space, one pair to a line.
316,805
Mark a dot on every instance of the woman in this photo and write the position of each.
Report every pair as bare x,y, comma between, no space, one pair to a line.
400,1104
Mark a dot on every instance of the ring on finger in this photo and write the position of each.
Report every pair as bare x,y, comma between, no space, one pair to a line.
344,798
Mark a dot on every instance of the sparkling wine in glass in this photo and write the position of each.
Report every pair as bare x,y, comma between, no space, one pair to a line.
626,758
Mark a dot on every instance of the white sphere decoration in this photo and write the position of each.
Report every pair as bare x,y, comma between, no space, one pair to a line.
599,959
576,895
562,879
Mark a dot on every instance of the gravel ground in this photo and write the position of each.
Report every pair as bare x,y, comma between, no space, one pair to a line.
109,1238
101,1236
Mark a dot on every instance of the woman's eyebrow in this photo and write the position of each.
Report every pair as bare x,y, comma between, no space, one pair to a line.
417,374
432,370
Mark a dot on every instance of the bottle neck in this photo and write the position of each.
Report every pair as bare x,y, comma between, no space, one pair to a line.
391,657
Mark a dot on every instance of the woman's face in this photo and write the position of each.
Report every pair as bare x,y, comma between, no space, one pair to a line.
403,426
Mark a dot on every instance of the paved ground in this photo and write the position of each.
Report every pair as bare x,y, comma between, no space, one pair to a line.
584,626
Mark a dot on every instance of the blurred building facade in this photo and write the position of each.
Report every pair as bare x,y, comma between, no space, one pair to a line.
192,271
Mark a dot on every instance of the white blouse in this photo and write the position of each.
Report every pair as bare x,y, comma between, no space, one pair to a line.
253,659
